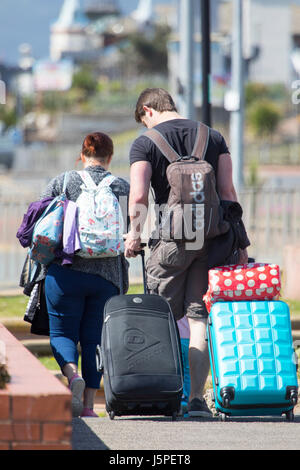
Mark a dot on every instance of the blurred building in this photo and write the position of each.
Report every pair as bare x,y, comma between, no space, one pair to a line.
98,9
271,45
220,56
78,31
271,37
84,28
68,34
102,14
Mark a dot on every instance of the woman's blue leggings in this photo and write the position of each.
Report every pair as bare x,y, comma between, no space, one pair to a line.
75,303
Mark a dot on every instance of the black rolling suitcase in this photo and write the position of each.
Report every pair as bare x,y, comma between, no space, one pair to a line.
140,356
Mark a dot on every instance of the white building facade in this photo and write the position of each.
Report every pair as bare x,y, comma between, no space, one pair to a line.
272,28
68,33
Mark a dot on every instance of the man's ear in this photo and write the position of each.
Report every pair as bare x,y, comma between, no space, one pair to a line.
147,109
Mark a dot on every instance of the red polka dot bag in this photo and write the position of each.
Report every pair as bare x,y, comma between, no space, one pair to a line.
253,281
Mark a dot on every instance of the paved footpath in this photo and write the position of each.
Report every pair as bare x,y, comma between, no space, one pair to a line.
159,433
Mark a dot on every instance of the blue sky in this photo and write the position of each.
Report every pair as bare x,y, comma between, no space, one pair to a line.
29,21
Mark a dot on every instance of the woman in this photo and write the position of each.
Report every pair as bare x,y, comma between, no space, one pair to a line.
76,294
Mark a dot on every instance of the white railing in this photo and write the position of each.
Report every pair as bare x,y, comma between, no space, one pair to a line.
271,217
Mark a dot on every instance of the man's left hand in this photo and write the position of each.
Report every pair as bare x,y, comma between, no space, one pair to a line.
132,245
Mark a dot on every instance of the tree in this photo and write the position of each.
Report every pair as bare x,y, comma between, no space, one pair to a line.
148,53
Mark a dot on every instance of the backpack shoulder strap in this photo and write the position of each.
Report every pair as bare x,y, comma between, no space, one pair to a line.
201,141
90,184
161,142
106,181
87,179
66,179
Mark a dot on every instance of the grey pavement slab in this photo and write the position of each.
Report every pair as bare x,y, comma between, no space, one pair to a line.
159,433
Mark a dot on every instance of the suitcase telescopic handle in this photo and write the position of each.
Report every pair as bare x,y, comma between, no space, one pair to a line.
142,253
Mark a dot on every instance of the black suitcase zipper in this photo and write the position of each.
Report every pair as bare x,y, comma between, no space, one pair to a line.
135,311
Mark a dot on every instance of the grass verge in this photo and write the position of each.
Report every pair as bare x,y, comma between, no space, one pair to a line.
15,306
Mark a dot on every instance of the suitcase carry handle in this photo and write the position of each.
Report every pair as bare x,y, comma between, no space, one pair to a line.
142,245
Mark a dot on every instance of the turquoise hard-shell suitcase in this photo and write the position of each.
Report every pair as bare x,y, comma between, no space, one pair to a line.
252,358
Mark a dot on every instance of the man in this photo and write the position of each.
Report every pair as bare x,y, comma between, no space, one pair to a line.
178,274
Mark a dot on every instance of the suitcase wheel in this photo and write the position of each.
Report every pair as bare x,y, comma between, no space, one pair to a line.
111,415
174,416
226,402
290,415
222,417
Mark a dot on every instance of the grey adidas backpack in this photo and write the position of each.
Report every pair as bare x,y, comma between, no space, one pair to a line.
193,210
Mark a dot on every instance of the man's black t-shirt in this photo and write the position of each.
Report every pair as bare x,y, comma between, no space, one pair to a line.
181,135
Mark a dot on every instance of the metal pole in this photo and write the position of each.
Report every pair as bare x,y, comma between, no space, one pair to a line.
205,54
186,71
237,86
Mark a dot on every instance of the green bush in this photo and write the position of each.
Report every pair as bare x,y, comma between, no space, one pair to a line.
253,179
263,117
53,101
255,91
8,116
84,79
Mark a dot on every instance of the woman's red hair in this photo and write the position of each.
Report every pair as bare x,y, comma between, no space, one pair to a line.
98,145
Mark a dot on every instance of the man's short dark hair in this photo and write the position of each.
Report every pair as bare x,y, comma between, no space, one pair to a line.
155,98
